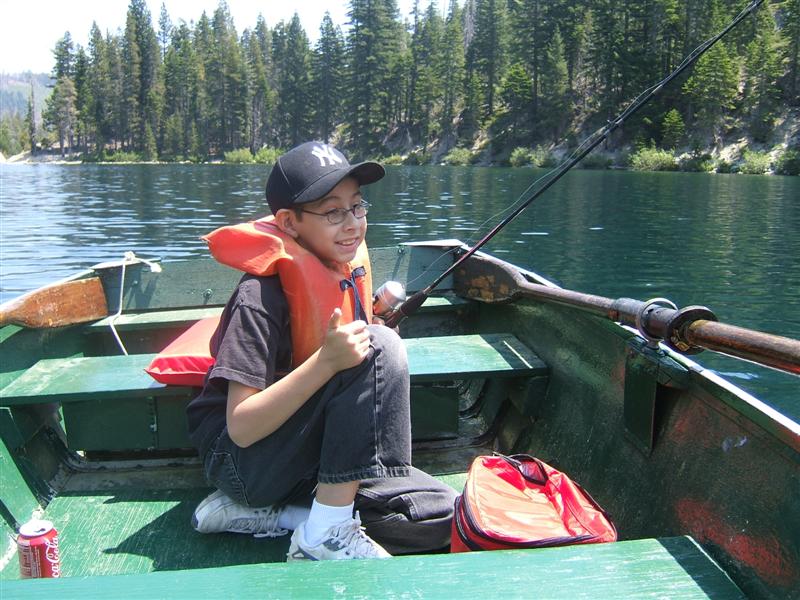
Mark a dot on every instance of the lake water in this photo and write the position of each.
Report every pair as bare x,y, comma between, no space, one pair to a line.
729,242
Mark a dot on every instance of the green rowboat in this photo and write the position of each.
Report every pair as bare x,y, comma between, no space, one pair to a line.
701,479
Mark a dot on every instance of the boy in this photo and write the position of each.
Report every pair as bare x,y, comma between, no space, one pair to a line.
336,426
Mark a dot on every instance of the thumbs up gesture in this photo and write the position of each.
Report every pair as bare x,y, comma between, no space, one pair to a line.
345,346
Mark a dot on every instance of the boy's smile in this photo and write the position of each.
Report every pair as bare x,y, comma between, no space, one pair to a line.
337,244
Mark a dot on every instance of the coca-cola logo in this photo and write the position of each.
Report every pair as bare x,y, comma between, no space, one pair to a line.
52,556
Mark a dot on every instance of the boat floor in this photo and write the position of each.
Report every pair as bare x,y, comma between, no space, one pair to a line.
133,522
118,518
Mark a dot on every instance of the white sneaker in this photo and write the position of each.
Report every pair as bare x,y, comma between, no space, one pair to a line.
342,542
218,513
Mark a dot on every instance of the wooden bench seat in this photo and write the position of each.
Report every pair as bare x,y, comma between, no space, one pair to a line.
109,403
155,319
103,377
664,568
185,317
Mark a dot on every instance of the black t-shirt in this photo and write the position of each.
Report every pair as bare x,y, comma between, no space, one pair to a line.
252,343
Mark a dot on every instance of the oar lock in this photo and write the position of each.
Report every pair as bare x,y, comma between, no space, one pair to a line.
655,324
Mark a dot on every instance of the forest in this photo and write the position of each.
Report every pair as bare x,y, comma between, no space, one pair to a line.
481,81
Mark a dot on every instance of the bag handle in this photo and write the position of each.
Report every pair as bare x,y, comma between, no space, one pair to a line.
530,467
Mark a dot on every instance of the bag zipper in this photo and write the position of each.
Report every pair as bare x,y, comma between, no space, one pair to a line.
544,543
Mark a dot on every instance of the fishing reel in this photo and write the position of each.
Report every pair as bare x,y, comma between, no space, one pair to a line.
388,298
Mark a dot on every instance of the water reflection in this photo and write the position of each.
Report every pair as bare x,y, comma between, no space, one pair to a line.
728,242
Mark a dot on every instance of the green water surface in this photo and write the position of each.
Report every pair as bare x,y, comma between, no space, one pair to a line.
729,242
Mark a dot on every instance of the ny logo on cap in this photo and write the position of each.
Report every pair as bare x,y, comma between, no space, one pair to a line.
325,152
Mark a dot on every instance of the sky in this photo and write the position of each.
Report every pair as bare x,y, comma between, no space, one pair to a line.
29,29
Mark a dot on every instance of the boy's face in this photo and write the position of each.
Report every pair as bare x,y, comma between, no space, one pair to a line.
336,244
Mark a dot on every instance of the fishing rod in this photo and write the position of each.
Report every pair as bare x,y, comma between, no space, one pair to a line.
400,311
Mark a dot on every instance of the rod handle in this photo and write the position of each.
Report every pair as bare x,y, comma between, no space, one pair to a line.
406,309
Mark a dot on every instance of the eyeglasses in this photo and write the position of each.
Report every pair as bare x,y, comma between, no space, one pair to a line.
338,215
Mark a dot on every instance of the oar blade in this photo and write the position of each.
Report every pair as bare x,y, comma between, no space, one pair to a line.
57,305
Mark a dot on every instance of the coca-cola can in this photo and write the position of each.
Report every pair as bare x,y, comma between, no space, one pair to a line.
37,544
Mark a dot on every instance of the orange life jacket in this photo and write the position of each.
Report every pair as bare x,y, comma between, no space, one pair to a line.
312,289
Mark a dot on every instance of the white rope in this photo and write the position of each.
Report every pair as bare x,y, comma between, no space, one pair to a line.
130,258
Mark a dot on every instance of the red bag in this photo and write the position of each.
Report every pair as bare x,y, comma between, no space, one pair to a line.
521,502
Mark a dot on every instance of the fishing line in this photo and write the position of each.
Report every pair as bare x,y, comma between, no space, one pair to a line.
413,303
521,197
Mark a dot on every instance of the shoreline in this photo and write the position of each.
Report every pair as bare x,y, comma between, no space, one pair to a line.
26,158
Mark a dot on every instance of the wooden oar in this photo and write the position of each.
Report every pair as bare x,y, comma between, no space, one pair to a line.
687,330
59,304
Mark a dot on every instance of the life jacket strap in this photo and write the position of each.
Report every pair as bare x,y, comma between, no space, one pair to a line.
351,283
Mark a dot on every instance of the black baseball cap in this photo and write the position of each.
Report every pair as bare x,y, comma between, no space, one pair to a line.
309,171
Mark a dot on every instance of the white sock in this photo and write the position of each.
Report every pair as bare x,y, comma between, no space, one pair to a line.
322,517
292,515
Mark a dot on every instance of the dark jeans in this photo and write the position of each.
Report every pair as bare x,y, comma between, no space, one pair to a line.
356,428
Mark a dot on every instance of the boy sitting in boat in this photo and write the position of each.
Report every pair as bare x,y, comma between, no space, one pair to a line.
307,403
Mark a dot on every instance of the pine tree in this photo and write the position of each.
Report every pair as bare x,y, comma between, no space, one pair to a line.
471,115
30,122
586,79
83,99
226,84
260,93
61,114
532,29
101,89
487,53
295,98
180,72
453,62
554,81
762,71
516,94
602,61
672,130
173,138
265,93
373,47
791,37
164,30
204,44
427,72
64,57
328,77
149,149
142,47
131,115
713,85
117,107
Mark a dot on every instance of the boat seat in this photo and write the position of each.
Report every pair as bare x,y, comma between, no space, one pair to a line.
79,379
155,319
186,317
203,566
92,387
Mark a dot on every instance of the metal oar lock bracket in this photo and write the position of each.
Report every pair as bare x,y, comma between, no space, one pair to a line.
650,372
669,328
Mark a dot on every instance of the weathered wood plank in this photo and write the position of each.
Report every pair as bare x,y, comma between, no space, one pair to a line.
156,319
430,359
670,568
188,316
470,356
85,378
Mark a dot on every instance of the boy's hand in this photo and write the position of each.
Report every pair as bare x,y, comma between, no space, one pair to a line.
345,346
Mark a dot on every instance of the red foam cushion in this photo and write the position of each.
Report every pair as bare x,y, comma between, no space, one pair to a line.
187,359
